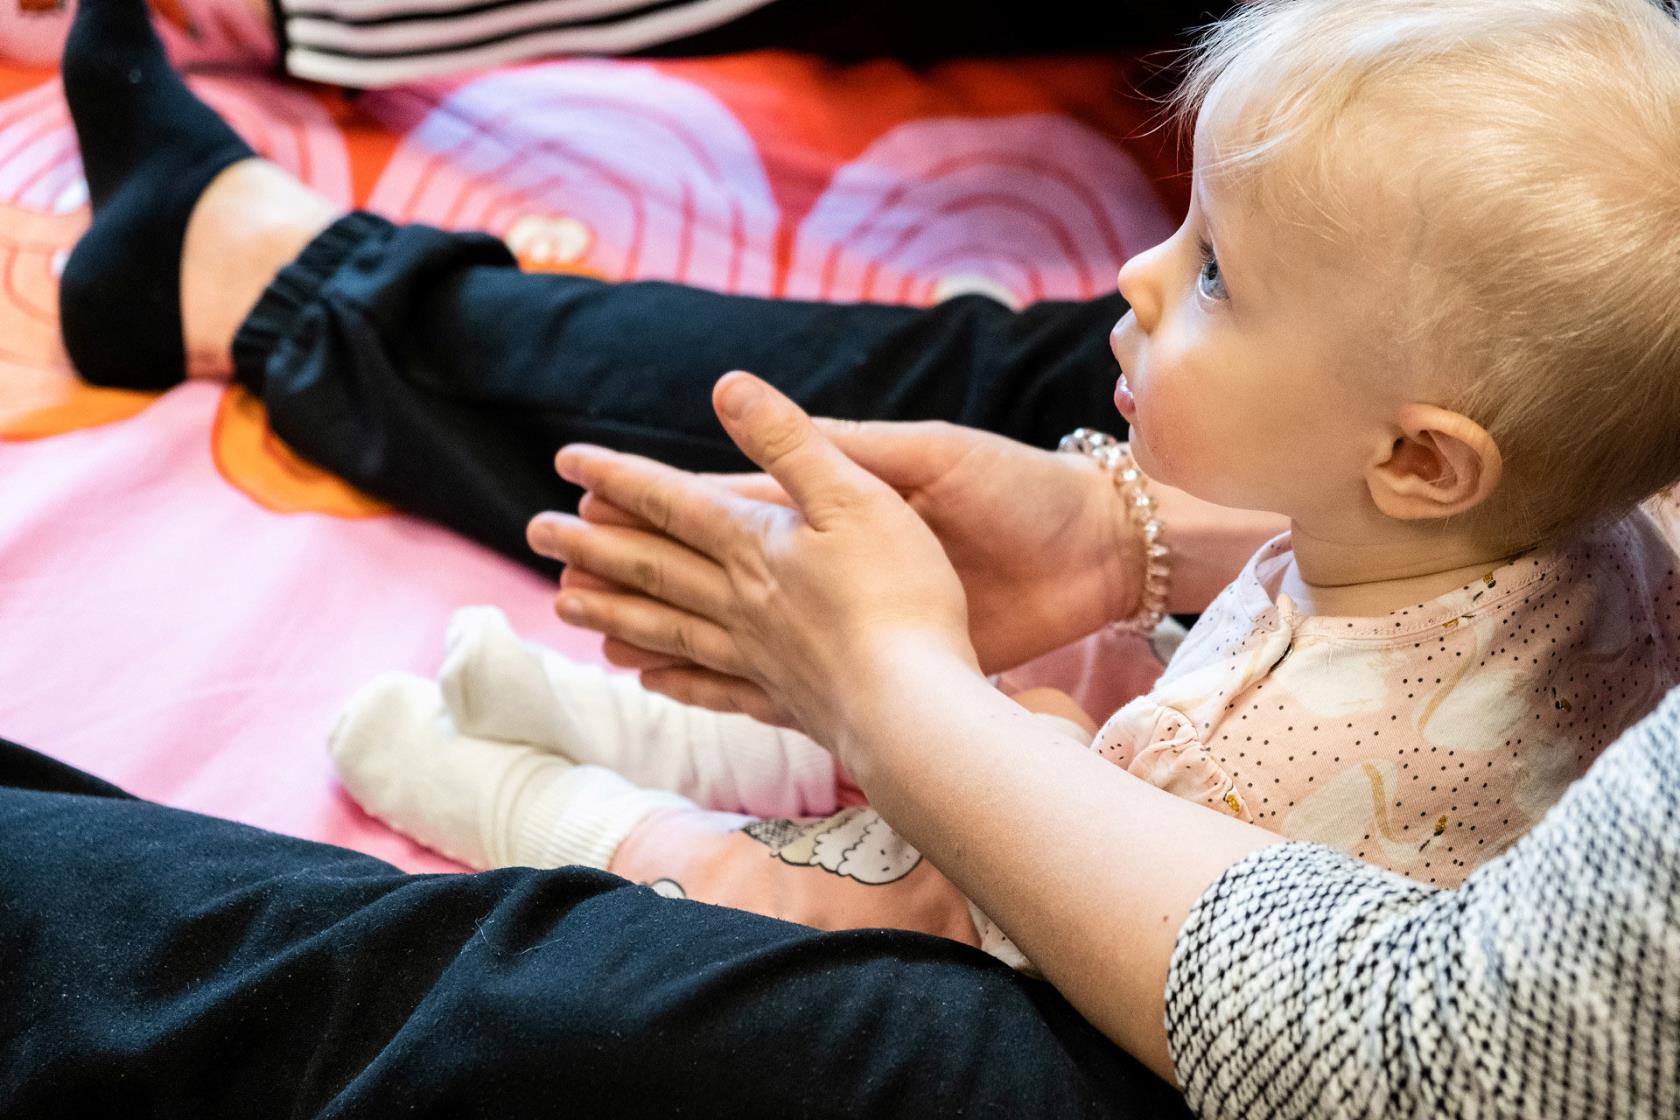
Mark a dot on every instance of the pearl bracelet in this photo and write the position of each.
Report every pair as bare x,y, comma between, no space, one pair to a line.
1116,457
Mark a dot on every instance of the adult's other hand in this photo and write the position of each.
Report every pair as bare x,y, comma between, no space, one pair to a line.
780,610
1043,550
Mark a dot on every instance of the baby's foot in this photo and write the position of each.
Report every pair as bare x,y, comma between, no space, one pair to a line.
497,686
494,685
485,804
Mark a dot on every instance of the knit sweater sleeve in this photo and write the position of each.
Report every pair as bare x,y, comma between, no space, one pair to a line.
1305,983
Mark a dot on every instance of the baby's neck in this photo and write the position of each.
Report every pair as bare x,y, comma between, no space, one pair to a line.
1327,577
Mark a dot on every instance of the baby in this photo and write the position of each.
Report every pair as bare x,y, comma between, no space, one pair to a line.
1424,303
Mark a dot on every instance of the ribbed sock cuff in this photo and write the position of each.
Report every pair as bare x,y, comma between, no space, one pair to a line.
581,817
294,288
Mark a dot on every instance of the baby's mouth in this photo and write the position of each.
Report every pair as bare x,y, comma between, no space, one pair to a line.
1123,399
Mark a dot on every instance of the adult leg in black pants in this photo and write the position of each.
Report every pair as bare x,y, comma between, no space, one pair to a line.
161,963
427,369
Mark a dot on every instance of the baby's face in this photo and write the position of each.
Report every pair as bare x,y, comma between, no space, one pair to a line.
1248,360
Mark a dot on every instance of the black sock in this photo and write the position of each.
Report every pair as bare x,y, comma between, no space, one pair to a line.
149,148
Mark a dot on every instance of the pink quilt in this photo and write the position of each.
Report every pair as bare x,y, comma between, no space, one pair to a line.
186,603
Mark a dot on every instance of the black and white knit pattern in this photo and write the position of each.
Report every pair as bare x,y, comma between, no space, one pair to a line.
1548,985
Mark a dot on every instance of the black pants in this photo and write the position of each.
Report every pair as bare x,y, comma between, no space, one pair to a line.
162,963
427,369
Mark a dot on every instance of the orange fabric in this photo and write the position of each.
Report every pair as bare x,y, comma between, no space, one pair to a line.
249,455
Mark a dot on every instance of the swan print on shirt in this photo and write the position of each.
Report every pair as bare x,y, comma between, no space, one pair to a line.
854,844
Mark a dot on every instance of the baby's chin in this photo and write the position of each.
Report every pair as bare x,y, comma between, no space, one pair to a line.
1196,473
1148,461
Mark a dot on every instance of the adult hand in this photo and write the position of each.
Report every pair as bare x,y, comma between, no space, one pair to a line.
783,611
1042,547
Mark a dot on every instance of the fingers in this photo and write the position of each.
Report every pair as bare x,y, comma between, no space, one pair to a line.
580,580
622,654
717,691
755,486
636,560
679,504
598,511
617,652
776,434
653,627
627,656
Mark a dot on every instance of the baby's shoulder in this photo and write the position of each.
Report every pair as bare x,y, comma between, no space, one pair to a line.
1623,577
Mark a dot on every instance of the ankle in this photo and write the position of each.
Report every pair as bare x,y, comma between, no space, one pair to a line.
250,222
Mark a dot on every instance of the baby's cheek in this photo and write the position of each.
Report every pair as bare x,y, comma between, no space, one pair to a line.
1193,443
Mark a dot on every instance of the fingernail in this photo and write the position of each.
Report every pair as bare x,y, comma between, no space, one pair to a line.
541,536
735,397
569,607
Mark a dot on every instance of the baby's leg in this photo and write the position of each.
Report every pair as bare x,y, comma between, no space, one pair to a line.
484,803
1059,709
849,870
497,804
846,871
499,687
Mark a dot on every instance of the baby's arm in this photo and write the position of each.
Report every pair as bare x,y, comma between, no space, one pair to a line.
1058,708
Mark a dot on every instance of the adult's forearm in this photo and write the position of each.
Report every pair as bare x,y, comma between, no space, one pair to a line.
1088,869
1306,983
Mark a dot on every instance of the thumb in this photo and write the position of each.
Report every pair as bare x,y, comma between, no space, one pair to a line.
777,434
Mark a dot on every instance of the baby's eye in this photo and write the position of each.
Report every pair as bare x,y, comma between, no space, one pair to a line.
1209,282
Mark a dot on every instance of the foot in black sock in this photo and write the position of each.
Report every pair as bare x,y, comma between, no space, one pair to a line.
149,148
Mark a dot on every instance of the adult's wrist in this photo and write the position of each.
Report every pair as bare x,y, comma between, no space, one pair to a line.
1125,560
907,674
1132,487
1211,543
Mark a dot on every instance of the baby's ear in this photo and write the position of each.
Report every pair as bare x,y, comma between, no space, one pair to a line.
1440,464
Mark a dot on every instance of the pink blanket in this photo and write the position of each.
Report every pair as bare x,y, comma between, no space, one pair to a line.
187,604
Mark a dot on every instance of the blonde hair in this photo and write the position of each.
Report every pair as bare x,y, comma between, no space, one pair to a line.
1542,256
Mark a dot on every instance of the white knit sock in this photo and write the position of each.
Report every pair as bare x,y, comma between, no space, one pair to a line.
497,686
484,803
581,817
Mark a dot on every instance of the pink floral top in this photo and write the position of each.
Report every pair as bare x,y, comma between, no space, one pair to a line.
1426,740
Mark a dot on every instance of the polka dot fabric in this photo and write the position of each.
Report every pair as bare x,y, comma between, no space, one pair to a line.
1547,986
1426,740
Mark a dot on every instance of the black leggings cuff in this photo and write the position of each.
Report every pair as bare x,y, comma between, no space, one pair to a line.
294,288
